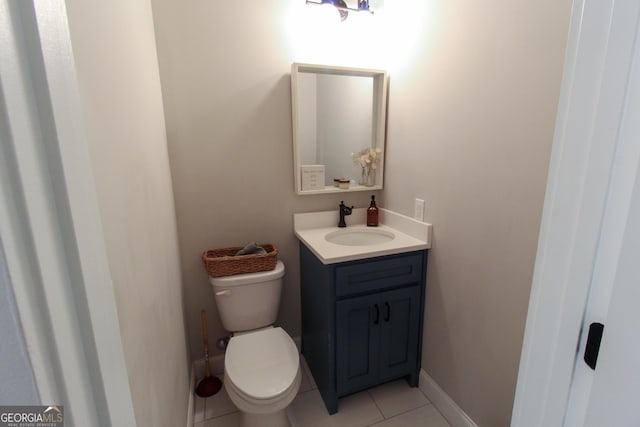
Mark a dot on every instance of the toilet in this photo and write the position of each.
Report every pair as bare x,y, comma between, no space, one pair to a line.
261,364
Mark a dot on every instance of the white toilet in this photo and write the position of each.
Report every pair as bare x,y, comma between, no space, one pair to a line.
261,365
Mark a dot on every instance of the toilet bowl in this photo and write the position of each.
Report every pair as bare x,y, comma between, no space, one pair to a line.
262,376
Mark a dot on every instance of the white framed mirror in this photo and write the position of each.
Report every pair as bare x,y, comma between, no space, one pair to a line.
339,128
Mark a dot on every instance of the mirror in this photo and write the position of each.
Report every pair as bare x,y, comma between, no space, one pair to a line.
339,119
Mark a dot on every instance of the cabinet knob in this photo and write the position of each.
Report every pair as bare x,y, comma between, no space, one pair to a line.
376,320
387,316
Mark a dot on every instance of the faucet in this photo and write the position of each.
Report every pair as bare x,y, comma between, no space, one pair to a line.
344,210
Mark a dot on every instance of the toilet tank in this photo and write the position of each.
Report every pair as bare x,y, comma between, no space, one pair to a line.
248,301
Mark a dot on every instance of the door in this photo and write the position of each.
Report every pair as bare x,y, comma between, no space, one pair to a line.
587,262
49,222
613,397
377,338
399,329
357,324
608,394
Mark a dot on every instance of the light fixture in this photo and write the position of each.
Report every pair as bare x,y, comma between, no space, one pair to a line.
363,6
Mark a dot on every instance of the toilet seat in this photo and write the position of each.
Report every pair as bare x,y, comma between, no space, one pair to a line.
263,366
271,405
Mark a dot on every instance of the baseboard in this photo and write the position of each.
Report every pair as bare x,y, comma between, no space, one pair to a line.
192,399
441,400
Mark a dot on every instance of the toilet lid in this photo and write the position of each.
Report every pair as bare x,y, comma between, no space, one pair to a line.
262,364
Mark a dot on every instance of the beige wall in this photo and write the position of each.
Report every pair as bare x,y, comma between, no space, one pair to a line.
470,128
119,84
473,121
225,77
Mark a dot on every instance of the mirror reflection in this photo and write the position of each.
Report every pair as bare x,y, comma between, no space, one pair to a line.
339,121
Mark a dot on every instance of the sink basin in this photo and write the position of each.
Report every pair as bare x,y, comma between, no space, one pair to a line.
395,234
359,237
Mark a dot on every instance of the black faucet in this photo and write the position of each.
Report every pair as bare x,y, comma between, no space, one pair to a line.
344,210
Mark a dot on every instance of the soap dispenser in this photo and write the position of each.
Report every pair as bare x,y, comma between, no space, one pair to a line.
372,213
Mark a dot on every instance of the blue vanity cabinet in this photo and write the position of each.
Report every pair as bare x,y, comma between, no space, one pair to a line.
362,321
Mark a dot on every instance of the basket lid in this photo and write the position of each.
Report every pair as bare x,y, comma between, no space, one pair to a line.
247,278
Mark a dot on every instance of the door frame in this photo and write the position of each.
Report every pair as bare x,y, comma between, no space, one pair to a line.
594,88
50,222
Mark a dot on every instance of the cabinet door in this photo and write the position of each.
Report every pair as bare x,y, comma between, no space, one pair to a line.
377,338
399,330
357,324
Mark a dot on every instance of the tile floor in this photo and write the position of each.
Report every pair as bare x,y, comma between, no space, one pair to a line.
390,405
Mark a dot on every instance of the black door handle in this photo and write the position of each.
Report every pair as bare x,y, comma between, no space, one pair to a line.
592,349
376,320
387,316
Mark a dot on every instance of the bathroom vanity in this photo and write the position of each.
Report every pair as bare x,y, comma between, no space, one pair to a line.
362,303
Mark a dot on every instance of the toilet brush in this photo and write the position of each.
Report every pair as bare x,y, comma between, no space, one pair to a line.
210,385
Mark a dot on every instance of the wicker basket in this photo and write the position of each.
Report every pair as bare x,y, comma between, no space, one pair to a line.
222,262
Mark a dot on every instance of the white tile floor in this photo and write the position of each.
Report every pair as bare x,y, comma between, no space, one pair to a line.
390,405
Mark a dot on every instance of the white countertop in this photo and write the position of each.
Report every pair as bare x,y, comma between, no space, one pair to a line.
311,229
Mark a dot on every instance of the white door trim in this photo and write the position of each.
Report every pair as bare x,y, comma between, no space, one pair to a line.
50,224
590,113
617,226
